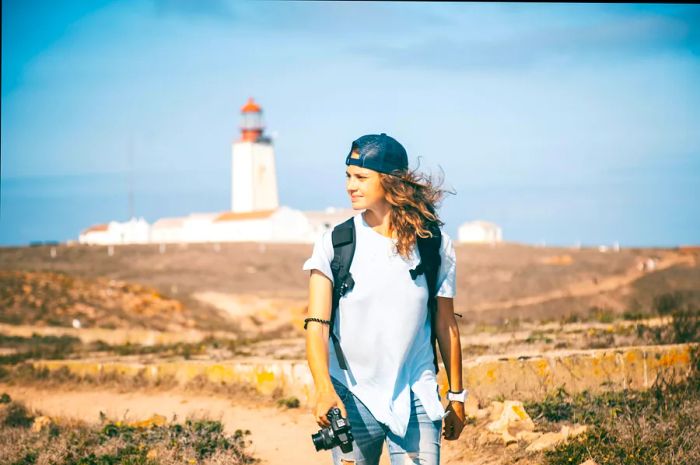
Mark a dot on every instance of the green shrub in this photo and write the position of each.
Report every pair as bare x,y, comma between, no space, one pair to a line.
571,318
539,336
16,415
555,407
635,311
288,402
665,304
602,314
684,326
37,347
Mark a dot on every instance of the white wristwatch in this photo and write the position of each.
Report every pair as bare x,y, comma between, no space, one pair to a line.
457,396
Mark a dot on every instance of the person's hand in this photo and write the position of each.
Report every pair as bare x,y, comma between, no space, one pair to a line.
325,400
454,421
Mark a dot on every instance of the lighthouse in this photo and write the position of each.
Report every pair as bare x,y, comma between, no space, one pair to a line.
253,178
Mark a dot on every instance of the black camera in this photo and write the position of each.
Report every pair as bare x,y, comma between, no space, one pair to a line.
338,434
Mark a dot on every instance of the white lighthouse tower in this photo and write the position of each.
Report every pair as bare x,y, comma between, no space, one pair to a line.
254,182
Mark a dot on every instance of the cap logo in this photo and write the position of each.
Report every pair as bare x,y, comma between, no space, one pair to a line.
379,153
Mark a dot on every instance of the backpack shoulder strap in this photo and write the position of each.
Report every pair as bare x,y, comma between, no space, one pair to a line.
429,251
343,237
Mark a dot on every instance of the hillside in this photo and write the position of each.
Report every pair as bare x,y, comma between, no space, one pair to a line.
47,298
203,285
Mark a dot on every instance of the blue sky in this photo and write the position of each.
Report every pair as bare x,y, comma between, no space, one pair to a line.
562,123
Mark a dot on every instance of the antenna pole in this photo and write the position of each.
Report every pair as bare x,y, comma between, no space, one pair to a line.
131,176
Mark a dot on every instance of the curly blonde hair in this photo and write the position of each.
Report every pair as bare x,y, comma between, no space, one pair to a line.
414,198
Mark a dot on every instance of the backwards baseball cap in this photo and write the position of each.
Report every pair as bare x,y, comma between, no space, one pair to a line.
379,153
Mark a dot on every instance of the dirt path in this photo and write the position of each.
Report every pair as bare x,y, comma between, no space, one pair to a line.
585,288
278,436
255,315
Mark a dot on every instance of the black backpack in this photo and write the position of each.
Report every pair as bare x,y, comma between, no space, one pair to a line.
343,237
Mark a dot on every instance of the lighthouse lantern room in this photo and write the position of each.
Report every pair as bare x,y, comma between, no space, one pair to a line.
251,121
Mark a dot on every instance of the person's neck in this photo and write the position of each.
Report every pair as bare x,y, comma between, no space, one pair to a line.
379,219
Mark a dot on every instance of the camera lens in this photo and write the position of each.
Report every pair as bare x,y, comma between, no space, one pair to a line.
323,439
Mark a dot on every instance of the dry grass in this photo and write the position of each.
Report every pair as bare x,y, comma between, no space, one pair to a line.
653,427
39,347
67,443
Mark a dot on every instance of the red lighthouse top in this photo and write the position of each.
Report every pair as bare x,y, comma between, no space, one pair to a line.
251,121
251,107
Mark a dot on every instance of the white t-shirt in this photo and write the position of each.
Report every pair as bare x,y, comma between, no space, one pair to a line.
383,325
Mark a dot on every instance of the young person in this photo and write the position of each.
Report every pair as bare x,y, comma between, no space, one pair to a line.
384,382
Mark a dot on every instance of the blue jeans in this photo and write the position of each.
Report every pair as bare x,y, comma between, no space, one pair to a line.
421,444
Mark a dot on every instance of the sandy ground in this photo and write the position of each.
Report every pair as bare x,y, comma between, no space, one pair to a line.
278,436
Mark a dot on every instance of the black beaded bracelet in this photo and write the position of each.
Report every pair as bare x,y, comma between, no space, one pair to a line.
317,320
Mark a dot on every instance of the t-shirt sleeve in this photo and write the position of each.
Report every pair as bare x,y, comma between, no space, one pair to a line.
447,275
322,256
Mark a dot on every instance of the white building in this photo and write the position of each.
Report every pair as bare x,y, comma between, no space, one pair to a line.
196,227
322,221
97,234
167,230
134,231
481,232
280,225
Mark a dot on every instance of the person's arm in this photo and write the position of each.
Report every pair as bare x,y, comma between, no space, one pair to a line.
320,301
447,333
